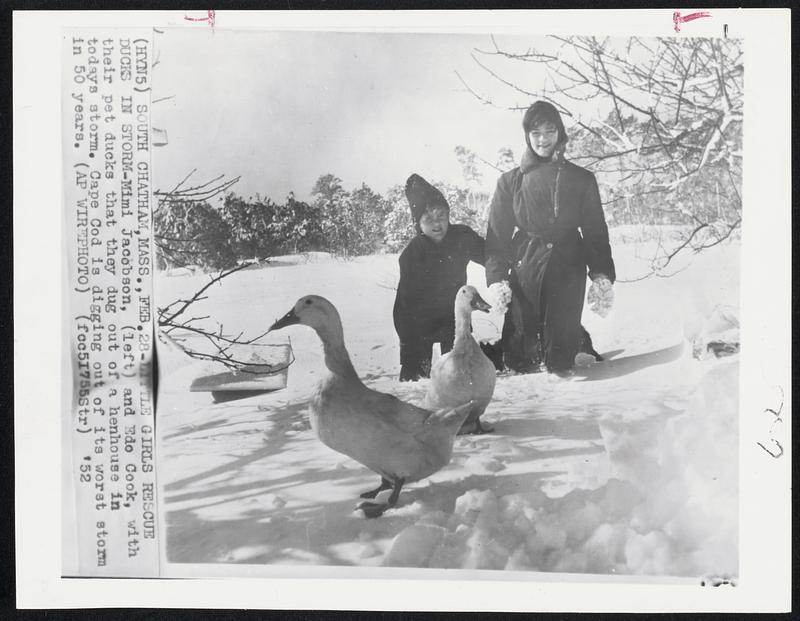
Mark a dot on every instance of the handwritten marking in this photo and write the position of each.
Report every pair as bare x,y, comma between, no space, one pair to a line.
678,19
725,31
210,18
778,419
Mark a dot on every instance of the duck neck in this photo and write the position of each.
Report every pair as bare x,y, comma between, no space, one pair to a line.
462,337
336,357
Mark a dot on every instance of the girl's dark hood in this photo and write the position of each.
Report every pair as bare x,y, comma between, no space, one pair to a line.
543,112
421,196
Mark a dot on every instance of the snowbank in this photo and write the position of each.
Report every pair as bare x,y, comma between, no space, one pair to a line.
629,467
670,508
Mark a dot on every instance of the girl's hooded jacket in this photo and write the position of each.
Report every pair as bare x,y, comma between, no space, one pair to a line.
546,218
556,210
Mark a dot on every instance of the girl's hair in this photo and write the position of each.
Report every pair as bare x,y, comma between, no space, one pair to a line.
544,112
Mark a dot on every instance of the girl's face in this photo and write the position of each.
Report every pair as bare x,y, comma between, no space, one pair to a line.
544,138
434,223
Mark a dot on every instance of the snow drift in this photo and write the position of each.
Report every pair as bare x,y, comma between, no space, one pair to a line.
629,467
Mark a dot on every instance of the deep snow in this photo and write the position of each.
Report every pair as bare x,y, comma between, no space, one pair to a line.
629,467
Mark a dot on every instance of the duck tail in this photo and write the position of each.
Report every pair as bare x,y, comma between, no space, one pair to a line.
451,419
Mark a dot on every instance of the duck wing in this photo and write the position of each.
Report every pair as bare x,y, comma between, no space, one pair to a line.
418,422
391,437
450,382
348,409
405,417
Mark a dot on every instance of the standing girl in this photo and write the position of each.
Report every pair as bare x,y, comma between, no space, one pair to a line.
555,207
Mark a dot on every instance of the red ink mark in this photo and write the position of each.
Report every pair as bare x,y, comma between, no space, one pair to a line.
678,19
209,18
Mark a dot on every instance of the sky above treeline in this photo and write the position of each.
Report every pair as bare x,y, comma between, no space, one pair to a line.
280,109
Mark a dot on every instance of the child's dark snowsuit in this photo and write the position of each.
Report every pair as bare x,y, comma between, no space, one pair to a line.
430,276
546,227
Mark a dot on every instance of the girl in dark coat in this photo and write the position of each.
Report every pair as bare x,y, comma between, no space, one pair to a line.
555,208
433,267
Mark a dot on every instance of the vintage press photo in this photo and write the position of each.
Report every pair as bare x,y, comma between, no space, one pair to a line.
282,163
320,320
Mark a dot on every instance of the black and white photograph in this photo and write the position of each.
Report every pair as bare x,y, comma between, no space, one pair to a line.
490,307
449,301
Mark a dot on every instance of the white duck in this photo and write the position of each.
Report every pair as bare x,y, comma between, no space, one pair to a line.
464,373
399,441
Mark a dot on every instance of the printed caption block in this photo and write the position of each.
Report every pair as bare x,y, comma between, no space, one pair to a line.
107,202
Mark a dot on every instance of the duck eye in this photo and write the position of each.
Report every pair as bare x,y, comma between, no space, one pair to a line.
308,300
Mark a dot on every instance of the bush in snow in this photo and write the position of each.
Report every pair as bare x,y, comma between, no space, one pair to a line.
192,233
351,223
466,207
261,228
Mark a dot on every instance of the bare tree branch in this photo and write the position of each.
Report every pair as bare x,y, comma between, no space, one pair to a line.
668,124
223,274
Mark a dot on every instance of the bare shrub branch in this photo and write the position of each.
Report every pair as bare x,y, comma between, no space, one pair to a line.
659,122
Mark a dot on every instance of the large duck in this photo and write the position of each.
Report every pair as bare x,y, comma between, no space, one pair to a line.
464,373
399,441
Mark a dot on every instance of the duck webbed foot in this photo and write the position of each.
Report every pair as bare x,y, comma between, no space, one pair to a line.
385,484
474,428
373,509
376,509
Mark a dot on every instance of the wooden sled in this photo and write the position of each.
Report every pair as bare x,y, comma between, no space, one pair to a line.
260,368
266,370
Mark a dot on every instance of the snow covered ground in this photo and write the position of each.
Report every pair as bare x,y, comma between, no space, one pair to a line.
629,467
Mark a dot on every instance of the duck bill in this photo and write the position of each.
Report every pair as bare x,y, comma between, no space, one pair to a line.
478,303
288,319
